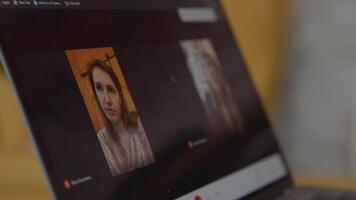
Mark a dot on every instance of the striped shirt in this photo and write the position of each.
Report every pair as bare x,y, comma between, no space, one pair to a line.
131,149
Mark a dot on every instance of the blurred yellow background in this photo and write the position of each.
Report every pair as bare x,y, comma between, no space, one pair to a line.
260,30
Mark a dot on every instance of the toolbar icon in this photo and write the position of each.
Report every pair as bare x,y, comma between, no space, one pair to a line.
198,198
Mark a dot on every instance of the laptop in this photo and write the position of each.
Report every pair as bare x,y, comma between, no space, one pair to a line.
142,100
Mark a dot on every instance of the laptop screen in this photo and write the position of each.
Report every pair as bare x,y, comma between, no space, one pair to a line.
138,100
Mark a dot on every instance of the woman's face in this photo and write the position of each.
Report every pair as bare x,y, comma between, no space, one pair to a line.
107,94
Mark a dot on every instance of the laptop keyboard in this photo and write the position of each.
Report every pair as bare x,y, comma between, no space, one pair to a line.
317,194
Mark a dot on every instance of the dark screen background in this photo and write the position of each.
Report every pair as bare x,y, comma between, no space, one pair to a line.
147,46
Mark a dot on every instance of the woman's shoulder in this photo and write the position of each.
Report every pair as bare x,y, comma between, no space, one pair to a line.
141,133
102,134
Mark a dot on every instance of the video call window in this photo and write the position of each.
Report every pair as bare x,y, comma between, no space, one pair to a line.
213,89
111,109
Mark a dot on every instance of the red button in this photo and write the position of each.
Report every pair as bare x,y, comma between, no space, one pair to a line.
67,184
198,198
190,146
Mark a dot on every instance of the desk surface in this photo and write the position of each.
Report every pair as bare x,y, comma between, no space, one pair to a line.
335,183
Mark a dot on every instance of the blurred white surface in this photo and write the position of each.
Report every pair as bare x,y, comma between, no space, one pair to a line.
316,121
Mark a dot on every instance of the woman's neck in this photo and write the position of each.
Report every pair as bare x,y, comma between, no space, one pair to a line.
119,127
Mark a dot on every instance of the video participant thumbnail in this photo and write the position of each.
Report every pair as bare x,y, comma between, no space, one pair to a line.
111,109
213,89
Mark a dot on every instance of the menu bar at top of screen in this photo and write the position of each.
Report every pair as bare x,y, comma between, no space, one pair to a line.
39,4
102,4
